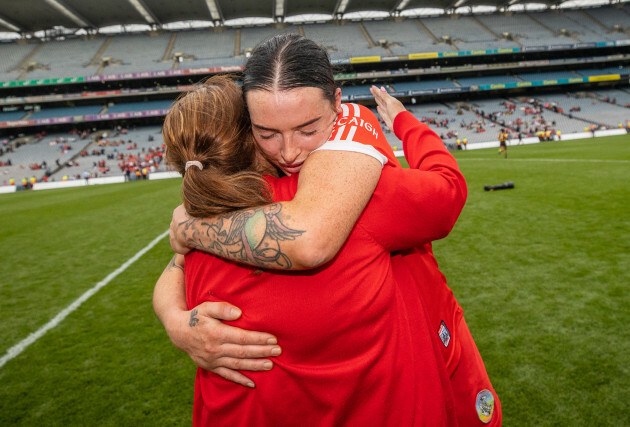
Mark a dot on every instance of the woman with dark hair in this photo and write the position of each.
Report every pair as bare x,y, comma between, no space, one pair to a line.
350,354
275,107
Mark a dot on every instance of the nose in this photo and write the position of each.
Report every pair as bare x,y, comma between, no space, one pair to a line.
290,150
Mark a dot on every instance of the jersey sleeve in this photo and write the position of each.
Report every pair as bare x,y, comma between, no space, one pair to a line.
411,207
357,129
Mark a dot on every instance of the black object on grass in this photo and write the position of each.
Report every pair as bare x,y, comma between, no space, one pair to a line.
504,186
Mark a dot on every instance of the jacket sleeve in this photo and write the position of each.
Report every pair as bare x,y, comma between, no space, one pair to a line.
411,207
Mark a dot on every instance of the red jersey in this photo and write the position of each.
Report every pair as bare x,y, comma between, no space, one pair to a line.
445,194
352,355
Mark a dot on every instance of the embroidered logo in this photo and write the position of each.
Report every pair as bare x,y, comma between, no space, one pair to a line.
485,406
444,334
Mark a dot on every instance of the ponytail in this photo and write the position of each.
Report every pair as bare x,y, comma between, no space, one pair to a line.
208,129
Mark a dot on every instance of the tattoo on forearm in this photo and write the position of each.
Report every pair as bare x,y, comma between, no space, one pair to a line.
172,264
193,320
253,236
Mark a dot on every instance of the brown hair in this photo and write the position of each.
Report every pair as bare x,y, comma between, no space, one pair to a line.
209,124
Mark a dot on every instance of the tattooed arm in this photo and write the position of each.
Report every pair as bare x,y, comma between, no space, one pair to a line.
333,189
252,236
199,332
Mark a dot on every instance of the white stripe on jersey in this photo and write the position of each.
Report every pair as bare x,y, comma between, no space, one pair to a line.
353,130
341,141
338,133
356,147
345,110
357,110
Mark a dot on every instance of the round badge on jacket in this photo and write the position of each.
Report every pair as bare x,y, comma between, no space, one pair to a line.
485,406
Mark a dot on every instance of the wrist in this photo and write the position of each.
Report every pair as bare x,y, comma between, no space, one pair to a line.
175,324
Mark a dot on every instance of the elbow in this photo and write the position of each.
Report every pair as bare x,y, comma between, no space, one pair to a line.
314,254
450,213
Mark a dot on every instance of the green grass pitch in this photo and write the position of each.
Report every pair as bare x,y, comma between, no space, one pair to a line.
542,272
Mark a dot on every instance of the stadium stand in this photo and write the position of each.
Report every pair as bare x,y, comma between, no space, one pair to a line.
11,115
13,55
448,69
65,58
586,107
461,32
139,106
250,37
521,28
532,77
476,81
65,112
332,37
617,97
604,71
404,37
206,48
419,85
135,53
615,19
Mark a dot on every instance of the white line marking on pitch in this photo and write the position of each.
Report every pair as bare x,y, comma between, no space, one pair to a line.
34,336
551,160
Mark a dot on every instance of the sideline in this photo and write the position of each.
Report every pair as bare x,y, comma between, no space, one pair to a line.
549,160
34,336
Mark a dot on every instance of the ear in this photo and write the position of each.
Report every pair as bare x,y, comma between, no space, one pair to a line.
337,104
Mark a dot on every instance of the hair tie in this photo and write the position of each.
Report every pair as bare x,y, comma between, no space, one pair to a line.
193,163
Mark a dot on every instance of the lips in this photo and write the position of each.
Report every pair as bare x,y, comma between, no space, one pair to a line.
292,168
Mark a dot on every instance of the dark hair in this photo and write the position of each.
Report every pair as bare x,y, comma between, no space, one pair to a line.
289,61
209,124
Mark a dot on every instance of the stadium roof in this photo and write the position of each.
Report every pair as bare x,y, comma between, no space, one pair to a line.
30,16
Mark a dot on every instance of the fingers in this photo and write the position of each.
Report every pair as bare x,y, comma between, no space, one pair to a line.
230,334
219,310
245,352
253,365
388,107
234,376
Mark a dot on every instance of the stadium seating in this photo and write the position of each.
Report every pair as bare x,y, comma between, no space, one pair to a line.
139,106
11,115
477,81
404,37
67,58
602,71
556,75
524,29
419,85
448,34
13,54
590,109
36,151
205,48
335,39
65,112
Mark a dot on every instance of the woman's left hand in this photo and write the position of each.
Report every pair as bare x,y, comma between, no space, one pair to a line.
388,107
